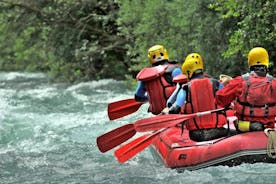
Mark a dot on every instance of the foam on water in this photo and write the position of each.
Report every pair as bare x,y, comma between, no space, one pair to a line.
48,135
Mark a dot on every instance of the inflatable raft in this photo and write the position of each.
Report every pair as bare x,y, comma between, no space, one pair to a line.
174,148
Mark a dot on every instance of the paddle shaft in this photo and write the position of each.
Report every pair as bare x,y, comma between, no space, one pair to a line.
165,121
129,150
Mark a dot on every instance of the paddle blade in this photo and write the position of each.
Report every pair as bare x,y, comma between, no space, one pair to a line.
122,108
159,122
134,147
115,137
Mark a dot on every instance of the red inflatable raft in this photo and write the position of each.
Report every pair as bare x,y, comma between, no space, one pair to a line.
176,150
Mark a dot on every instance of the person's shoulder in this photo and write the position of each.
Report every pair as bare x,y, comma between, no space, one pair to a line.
176,71
206,75
237,80
239,77
270,76
180,78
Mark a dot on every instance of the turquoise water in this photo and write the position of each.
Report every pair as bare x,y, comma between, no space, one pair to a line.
48,135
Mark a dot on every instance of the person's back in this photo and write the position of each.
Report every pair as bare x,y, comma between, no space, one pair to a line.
197,96
253,94
156,83
200,97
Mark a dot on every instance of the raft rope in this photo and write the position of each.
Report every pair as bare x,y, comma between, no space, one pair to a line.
271,142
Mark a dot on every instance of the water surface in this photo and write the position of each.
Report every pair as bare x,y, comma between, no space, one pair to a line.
48,135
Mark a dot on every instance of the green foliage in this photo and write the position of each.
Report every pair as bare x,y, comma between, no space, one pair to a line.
93,39
181,26
145,24
71,40
222,31
255,25
16,54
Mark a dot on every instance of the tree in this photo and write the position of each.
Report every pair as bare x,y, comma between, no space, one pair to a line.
181,26
90,39
79,37
255,26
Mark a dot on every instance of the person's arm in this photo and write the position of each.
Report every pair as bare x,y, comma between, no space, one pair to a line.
220,86
141,93
179,102
228,93
180,81
173,96
176,72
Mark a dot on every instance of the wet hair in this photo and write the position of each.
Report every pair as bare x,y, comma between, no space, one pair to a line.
160,63
197,73
260,70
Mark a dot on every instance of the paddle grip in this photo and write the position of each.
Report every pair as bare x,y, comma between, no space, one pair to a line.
209,112
203,113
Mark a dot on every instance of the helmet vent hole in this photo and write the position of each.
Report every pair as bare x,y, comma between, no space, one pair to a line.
161,54
154,56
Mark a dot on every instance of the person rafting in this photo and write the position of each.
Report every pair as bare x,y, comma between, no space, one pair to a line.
156,83
252,94
196,96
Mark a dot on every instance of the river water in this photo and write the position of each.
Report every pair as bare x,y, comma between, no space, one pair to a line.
48,135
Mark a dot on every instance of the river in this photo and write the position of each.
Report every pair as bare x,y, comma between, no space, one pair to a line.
48,134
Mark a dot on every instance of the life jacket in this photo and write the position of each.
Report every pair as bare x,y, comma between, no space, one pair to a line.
159,85
257,101
201,97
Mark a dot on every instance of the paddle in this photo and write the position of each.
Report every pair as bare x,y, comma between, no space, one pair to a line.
165,121
122,108
115,137
132,148
161,123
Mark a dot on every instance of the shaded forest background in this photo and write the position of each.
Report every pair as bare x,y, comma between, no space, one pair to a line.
82,40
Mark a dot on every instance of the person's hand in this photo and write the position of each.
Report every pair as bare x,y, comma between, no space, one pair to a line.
165,110
224,79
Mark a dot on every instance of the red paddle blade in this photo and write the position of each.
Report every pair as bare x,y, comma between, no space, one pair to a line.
115,137
159,122
134,147
122,108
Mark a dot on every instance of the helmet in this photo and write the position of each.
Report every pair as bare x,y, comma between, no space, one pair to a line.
258,56
192,63
157,53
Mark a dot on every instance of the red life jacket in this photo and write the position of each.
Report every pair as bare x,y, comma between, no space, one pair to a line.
257,101
159,85
201,97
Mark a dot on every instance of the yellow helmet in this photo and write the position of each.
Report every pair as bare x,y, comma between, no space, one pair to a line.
192,63
258,56
157,53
